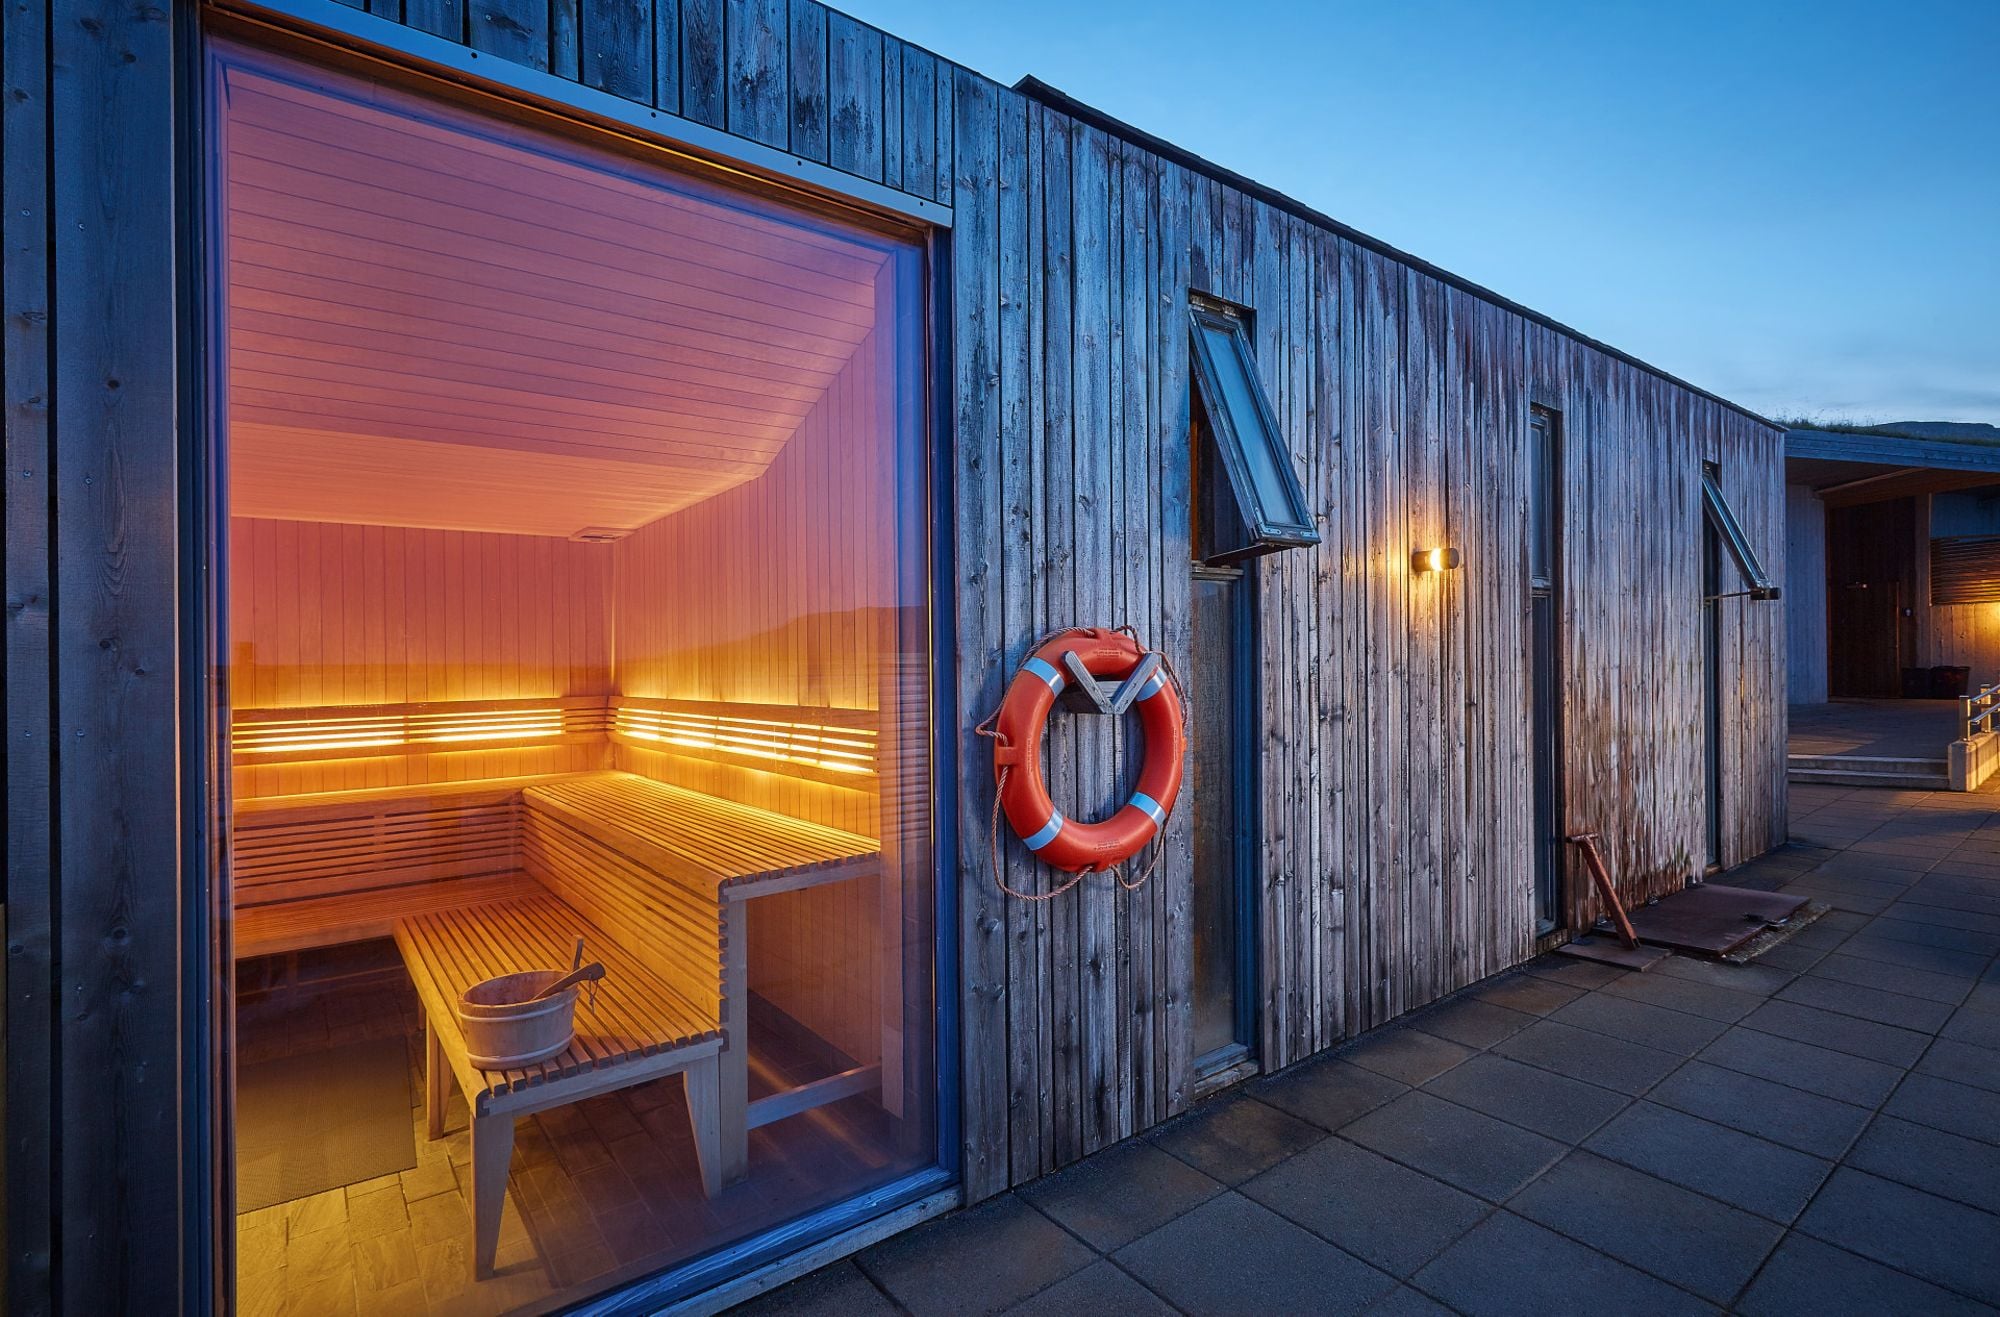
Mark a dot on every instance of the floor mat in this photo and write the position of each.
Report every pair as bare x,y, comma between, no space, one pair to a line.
306,1124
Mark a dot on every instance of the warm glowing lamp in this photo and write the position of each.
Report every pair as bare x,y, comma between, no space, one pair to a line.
1434,560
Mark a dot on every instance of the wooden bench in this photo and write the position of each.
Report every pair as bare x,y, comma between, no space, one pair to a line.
647,1019
658,875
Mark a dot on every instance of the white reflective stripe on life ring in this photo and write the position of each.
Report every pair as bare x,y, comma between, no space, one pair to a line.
1154,685
1049,832
1150,808
1046,672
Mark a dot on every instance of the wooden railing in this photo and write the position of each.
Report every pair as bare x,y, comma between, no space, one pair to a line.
1977,710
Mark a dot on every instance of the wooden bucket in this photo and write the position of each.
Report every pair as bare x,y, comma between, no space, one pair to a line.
504,1030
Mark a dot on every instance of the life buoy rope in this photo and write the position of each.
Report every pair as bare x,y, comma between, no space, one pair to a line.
1016,729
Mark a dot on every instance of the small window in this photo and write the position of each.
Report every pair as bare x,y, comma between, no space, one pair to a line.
1263,509
1965,569
1730,532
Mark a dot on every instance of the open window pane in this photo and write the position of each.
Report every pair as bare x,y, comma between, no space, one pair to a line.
1723,518
1270,507
576,591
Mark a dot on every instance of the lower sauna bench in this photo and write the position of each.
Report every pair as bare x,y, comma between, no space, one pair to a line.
476,880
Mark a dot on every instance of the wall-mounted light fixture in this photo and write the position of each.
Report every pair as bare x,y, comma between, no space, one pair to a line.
1434,560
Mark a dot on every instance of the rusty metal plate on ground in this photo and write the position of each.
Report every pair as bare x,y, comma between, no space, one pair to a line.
1710,919
1610,951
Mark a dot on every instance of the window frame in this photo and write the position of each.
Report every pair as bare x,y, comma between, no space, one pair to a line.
1267,530
1715,507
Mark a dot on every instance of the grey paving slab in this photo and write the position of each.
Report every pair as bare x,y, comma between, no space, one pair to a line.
1933,1238
1963,1063
1945,937
1636,1021
1947,988
1099,1288
1231,1255
1458,1145
1406,1301
1740,1169
1791,959
1328,1092
1121,1193
1508,1266
1839,1033
1818,1070
1590,1056
1014,1250
1919,911
1233,1138
1905,1012
1380,1211
1980,1028
1406,1055
1530,994
1811,888
1540,1100
1574,973
1961,1109
1933,1160
835,1291
1758,979
1808,1122
1807,1278
1985,997
1693,1241
1917,955
1471,1022
1707,1000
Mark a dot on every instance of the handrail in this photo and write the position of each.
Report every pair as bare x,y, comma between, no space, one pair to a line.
1970,721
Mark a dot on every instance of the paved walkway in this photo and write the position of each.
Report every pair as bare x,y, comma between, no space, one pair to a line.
1888,729
1815,1134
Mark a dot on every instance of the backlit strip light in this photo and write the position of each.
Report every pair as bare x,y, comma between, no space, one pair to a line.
834,749
298,736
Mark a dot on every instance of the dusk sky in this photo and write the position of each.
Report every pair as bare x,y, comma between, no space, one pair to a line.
1796,205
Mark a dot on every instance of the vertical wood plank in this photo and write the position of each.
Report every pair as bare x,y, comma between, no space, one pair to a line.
516,30
759,69
892,112
919,136
854,96
440,18
701,61
808,84
617,47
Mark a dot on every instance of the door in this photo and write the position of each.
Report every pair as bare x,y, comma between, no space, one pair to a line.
1545,663
1871,580
1225,820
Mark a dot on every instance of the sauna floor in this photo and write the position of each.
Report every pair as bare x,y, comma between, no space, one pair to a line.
601,1189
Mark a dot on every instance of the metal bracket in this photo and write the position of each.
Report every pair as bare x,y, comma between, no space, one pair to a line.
1083,694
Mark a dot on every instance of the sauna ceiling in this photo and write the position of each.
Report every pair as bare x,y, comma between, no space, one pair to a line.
432,322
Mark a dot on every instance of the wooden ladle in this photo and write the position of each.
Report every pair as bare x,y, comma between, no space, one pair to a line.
586,974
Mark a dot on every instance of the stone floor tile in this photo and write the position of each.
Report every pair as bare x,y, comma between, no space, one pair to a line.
1471,1022
1740,1169
1574,973
1692,1241
1811,888
1530,994
1099,1288
1233,1138
1462,1147
1535,1099
1114,1197
1806,1278
1406,1301
1727,1005
1231,1255
1808,1122
1791,959
1383,1213
1839,1033
835,1291
1637,1022
1934,1160
1980,1028
1327,1092
1943,915
1961,1109
1406,1055
1900,951
1963,1063
1592,1057
1759,979
1968,941
1866,1003
1510,1267
1014,1251
1938,1240
1818,1070
1947,988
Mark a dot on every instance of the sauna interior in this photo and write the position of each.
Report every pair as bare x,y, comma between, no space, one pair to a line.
575,574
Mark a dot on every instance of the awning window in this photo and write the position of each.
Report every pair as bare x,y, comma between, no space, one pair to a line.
1268,509
1730,532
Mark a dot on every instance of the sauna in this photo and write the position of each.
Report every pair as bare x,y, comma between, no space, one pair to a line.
576,611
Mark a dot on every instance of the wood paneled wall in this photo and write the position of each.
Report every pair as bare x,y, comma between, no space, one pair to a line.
1805,594
323,614
1394,831
1395,753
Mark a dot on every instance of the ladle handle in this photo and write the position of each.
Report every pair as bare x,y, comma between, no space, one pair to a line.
588,974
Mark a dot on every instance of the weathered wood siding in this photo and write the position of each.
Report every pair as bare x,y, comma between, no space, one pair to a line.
1395,828
1805,595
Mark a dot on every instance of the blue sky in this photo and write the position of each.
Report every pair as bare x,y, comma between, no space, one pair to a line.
1796,205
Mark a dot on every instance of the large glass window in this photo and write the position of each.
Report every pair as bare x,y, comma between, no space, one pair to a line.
576,615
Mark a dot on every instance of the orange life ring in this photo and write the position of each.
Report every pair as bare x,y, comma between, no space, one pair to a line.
1069,844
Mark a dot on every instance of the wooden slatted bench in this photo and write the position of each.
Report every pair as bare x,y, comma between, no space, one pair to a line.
644,1021
323,869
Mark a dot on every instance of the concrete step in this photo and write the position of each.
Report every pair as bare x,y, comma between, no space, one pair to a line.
1867,763
1869,771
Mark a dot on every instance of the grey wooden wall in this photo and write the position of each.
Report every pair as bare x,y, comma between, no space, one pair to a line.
1395,846
1805,595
